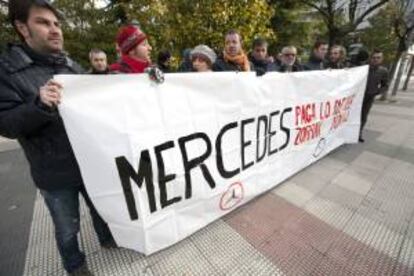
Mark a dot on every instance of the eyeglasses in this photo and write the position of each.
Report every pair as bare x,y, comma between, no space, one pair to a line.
289,54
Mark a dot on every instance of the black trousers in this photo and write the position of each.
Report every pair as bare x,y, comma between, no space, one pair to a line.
366,107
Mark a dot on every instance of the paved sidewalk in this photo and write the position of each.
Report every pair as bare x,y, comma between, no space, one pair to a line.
351,213
7,144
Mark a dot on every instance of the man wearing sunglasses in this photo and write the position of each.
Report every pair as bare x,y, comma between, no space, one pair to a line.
288,60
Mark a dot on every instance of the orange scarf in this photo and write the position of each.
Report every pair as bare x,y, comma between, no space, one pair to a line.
241,60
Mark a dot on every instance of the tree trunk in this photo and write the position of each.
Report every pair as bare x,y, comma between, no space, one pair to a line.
397,57
398,77
410,71
333,36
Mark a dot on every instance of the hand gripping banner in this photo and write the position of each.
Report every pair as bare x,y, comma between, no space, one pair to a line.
161,161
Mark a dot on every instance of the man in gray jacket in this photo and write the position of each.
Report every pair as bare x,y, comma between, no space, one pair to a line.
377,83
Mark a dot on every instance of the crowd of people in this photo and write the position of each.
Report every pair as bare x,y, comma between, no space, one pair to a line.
29,98
134,53
135,57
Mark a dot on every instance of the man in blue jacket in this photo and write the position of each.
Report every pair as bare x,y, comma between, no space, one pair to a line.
28,100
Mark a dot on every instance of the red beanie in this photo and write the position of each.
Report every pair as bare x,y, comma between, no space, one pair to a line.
129,37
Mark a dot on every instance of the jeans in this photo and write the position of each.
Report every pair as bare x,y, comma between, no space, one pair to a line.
63,206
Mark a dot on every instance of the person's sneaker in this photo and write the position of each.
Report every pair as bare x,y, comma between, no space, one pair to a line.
109,244
361,140
82,271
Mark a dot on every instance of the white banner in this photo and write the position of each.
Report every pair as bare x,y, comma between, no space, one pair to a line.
161,161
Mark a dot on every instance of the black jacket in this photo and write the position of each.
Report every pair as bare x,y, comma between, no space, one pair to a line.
262,66
92,71
222,66
335,65
38,128
296,67
377,81
314,63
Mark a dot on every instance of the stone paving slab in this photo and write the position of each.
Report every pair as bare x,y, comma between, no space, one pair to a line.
8,144
351,213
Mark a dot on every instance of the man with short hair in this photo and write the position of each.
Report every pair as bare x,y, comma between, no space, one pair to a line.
337,57
377,84
288,61
317,58
99,63
233,57
135,50
260,58
164,61
28,100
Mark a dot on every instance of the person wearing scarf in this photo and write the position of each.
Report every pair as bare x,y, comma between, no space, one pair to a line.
234,58
135,51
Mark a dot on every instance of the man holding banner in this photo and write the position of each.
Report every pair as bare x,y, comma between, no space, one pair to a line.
28,100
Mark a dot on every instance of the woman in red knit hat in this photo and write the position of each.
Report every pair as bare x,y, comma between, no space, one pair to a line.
135,51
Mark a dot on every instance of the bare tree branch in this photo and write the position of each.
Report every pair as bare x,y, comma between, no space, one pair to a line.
368,11
353,5
312,4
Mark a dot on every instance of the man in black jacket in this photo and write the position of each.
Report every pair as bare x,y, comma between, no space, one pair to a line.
99,62
260,58
28,100
317,58
377,84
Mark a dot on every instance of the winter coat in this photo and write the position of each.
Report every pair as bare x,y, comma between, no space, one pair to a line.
336,65
222,66
296,67
38,128
262,66
377,81
314,63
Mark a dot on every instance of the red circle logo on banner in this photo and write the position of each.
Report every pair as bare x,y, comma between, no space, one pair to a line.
232,197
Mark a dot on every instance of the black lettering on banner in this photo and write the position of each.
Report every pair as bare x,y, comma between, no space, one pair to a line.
285,129
162,177
259,156
197,161
219,152
127,172
272,133
245,144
